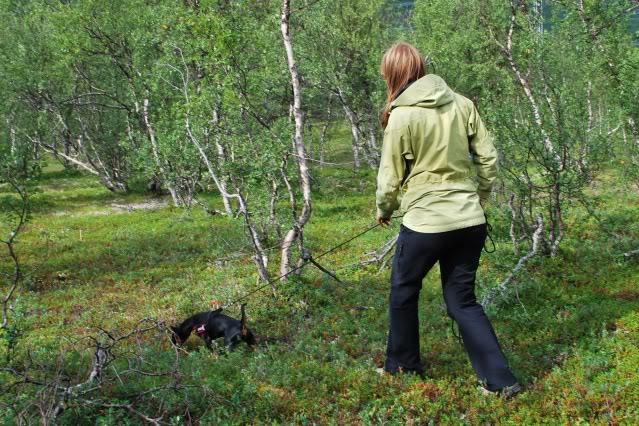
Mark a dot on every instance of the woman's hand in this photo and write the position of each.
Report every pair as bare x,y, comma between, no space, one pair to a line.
383,222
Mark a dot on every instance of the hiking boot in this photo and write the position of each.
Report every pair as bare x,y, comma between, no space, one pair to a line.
507,392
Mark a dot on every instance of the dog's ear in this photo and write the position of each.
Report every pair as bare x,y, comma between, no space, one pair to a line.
244,331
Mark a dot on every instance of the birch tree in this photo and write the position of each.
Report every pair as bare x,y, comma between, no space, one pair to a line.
301,219
533,92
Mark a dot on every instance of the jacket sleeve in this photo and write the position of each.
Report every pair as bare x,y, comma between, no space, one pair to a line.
395,149
484,154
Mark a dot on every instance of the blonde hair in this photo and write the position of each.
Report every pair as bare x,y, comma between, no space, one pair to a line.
401,65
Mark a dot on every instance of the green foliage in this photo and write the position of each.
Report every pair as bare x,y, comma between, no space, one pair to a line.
551,112
75,76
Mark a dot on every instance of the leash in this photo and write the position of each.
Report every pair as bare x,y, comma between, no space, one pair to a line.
489,229
306,262
456,334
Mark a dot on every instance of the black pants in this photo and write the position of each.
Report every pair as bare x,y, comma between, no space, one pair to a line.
458,254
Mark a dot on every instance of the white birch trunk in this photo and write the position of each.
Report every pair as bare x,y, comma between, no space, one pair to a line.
156,154
508,53
356,131
260,258
322,142
221,186
300,149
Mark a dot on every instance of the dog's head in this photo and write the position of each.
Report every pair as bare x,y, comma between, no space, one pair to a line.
243,334
176,338
249,338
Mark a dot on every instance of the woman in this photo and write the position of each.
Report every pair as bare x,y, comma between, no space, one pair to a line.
432,139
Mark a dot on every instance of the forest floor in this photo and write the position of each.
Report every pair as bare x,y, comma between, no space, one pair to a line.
570,330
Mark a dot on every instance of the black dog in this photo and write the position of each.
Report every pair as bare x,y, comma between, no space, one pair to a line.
214,324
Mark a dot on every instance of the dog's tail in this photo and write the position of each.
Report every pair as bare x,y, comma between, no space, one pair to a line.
243,321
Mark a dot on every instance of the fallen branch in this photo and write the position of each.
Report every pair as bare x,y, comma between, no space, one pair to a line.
130,409
379,255
537,242
308,258
69,392
56,394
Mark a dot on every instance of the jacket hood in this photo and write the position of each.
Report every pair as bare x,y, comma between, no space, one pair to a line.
430,91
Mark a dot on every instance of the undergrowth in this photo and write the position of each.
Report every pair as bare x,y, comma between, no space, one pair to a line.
569,325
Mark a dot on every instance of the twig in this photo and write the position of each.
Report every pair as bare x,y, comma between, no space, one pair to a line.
380,254
132,410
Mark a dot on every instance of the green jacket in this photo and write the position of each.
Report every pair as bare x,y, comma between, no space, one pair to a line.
433,138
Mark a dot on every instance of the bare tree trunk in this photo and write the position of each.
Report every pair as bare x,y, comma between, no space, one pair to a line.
305,177
513,224
380,254
361,144
582,161
219,182
539,11
322,141
260,258
372,141
356,154
104,178
156,154
355,135
557,230
16,276
634,130
272,204
108,175
221,186
66,137
12,138
507,51
293,206
591,118
221,158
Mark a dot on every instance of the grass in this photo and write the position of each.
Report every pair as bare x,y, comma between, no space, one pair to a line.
571,334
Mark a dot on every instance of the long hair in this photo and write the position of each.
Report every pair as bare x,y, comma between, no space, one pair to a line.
401,65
